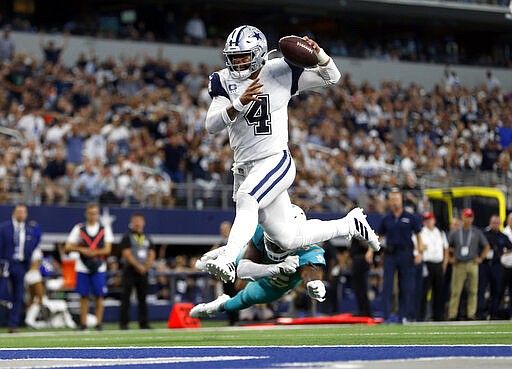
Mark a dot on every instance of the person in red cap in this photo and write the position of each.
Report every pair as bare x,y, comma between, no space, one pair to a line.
435,257
465,244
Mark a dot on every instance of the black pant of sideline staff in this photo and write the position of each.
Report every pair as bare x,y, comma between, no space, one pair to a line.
133,279
435,281
360,284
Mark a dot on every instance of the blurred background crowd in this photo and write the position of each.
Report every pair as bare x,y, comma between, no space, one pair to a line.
130,132
378,31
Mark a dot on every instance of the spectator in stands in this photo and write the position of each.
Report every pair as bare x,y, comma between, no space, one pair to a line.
128,187
398,226
490,270
85,188
492,83
195,30
55,170
95,145
108,185
118,133
156,190
411,192
468,248
93,242
52,52
18,240
75,141
7,46
163,283
435,257
31,125
139,254
31,185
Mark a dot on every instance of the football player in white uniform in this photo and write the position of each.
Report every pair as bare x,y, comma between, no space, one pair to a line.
250,100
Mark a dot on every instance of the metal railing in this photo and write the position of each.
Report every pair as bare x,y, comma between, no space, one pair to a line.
470,178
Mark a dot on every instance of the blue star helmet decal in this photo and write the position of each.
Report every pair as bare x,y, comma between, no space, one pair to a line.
256,35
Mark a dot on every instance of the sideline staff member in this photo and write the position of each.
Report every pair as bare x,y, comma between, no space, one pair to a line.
139,253
465,245
435,257
398,226
18,240
93,242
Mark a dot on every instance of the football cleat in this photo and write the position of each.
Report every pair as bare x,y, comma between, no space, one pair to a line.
209,309
201,263
222,267
360,229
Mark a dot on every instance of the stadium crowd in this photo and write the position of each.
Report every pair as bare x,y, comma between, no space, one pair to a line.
177,23
131,132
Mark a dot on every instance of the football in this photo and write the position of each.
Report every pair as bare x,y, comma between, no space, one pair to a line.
297,51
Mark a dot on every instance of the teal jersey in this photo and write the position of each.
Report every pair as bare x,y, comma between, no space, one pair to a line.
310,255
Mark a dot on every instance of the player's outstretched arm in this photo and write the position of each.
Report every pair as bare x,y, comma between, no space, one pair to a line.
312,277
326,74
250,267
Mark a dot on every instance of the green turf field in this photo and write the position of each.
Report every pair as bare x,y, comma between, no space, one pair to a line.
216,334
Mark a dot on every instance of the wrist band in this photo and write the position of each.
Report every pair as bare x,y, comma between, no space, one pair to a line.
237,105
323,58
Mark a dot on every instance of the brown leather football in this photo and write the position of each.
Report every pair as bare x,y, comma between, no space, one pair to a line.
297,51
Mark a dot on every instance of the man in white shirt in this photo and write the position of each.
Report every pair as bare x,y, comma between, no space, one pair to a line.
508,228
506,262
93,242
435,257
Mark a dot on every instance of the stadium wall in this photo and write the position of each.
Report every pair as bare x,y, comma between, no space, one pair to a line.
168,226
373,71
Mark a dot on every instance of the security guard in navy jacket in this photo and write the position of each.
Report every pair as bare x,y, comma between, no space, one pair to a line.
398,227
490,270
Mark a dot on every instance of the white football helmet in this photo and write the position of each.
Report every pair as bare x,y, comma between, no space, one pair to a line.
243,41
273,251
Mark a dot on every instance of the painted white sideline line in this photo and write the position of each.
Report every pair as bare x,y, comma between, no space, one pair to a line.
77,363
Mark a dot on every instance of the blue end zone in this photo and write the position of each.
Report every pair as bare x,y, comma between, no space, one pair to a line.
254,357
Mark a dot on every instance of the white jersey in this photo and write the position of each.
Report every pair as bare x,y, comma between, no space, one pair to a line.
261,128
434,243
508,230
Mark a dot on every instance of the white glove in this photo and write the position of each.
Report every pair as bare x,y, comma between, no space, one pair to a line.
210,255
316,290
289,265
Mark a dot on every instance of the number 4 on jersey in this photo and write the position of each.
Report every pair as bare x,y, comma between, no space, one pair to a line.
258,116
